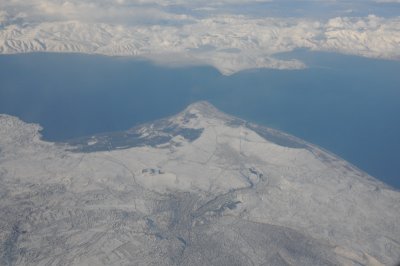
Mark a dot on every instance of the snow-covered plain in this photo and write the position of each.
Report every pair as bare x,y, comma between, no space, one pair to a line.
198,188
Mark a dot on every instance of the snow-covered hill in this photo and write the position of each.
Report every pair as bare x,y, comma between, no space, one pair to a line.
198,188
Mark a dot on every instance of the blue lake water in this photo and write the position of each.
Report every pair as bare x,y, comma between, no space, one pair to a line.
346,104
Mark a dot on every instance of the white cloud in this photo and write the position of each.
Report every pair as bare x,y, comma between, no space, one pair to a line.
118,11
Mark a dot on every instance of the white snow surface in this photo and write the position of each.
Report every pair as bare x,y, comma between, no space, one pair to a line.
307,190
227,41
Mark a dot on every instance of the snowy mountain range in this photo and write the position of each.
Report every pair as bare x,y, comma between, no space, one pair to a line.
192,32
197,188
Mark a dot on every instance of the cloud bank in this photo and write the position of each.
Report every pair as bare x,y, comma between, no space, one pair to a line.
174,32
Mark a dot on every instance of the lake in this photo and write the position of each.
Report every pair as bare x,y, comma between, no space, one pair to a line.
346,104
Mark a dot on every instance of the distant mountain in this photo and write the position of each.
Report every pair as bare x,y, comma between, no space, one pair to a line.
197,188
229,43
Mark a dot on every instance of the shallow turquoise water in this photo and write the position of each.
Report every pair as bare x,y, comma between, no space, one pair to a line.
348,105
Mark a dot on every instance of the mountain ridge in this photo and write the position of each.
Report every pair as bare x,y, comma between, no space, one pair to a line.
207,110
229,53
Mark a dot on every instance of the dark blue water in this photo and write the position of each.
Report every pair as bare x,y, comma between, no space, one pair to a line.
348,105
